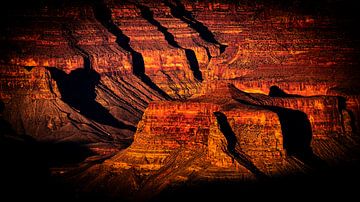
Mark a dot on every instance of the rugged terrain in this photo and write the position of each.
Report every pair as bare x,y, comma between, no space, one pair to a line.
135,99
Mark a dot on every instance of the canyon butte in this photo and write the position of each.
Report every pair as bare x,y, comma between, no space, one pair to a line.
148,100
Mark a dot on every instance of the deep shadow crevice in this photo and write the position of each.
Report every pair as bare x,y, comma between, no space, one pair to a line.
147,14
28,165
179,11
342,106
230,136
78,90
296,131
103,15
276,91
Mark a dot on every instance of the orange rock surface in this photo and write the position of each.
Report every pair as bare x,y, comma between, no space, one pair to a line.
180,92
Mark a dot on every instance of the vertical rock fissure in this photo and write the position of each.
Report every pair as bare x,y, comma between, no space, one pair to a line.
178,11
147,14
103,15
230,136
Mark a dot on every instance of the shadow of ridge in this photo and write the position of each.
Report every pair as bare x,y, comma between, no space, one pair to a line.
342,106
302,185
27,164
179,11
296,131
230,136
103,15
276,91
194,64
190,54
78,90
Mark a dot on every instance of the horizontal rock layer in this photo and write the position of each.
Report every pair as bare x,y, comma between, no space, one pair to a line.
212,90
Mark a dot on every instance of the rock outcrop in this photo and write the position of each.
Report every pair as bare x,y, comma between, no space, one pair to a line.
64,78
228,134
182,92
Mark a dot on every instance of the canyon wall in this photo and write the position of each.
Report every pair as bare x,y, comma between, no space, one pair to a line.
181,92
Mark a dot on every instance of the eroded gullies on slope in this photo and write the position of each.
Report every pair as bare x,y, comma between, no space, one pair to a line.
238,136
164,64
178,10
236,132
74,82
190,54
78,90
104,15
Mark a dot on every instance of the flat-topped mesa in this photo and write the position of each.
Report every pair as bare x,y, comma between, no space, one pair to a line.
253,137
304,88
324,113
236,130
165,128
34,82
165,64
254,145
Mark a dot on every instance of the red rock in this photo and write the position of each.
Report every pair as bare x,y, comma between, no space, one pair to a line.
36,79
214,91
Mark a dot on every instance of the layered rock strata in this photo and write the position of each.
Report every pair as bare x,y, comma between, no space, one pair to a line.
228,134
72,81
213,90
166,62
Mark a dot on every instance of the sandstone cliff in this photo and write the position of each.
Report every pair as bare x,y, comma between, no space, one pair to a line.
182,92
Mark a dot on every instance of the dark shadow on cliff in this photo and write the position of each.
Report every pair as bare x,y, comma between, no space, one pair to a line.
275,91
25,170
179,11
326,184
78,90
103,15
147,14
5,127
230,136
342,106
295,127
194,64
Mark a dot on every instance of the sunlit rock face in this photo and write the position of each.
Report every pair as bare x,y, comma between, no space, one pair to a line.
298,51
228,134
176,93
64,78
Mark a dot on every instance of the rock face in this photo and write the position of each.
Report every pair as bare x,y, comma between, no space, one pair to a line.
268,45
228,134
160,56
182,92
71,79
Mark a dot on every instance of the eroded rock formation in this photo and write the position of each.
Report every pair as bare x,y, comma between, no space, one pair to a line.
182,92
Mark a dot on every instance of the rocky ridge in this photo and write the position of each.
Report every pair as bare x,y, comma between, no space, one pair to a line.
184,91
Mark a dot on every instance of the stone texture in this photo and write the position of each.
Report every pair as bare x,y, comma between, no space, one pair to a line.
67,57
183,92
164,62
